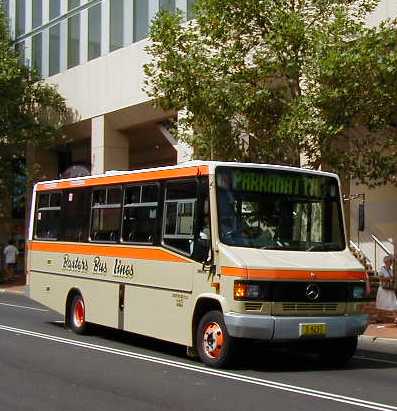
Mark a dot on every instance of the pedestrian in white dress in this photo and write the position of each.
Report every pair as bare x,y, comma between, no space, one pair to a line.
386,297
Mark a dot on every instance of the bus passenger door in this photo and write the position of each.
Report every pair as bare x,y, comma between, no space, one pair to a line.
161,305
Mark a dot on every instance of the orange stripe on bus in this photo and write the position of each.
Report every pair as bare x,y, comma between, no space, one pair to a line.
141,253
125,178
281,274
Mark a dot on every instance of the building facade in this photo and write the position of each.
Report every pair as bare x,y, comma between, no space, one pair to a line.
94,52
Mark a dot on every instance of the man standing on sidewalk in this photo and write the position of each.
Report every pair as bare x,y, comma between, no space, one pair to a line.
10,256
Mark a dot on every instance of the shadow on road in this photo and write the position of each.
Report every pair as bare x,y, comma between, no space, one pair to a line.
255,356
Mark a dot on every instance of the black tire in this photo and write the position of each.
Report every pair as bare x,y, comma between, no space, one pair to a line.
77,321
337,352
215,347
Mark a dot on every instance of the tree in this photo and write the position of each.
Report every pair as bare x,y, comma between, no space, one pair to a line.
270,80
31,112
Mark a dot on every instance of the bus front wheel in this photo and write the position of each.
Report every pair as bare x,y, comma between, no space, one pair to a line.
77,321
214,344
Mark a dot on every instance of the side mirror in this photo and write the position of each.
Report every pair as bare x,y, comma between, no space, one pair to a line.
208,261
361,217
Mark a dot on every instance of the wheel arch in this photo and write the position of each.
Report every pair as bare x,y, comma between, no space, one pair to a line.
204,304
72,293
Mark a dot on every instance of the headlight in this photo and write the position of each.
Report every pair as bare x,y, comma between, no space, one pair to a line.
246,291
358,292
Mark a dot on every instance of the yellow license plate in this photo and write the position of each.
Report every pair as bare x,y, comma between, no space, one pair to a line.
312,329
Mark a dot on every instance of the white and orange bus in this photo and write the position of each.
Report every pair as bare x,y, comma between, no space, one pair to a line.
202,254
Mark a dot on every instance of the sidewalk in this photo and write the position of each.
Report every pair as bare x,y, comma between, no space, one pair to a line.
381,331
16,285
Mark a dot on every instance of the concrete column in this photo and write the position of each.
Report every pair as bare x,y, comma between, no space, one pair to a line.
109,147
63,46
128,23
46,11
84,36
28,16
28,51
105,29
45,57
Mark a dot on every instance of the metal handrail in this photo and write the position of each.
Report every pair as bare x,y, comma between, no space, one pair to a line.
380,244
377,242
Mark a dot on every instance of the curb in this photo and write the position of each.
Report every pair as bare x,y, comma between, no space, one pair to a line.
374,339
21,290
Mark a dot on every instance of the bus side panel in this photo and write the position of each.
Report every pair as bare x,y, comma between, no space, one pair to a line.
100,298
163,314
51,289
47,290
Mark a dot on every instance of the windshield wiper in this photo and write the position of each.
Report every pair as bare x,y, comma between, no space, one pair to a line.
323,247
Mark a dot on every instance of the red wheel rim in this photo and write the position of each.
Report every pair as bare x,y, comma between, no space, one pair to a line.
213,340
79,313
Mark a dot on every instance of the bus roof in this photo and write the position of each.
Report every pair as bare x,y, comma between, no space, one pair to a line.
187,169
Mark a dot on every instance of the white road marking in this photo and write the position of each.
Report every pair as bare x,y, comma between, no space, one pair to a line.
24,307
208,371
360,357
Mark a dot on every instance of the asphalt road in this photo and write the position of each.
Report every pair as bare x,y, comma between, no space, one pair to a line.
44,367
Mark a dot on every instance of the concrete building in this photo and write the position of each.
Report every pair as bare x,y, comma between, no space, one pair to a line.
94,52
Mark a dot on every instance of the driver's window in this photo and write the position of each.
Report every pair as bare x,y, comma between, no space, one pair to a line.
179,215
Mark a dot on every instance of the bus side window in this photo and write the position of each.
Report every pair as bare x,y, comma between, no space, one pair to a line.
140,213
75,215
179,215
48,216
105,214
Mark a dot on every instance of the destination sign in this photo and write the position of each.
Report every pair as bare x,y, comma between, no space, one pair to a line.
290,184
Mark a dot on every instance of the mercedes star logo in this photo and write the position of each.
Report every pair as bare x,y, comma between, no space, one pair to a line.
312,292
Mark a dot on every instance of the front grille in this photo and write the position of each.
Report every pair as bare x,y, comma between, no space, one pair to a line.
253,307
304,307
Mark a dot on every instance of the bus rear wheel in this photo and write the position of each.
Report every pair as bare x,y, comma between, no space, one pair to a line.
77,321
214,344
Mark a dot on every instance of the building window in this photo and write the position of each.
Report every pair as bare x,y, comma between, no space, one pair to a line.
116,24
168,5
54,55
141,19
37,52
55,8
37,13
72,4
94,32
73,41
19,17
190,13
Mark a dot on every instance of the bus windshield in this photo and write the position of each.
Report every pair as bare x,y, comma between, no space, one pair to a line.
279,209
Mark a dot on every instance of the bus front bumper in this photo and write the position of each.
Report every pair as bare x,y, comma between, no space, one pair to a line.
271,328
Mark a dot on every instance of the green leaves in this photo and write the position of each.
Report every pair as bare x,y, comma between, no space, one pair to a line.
31,111
268,80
